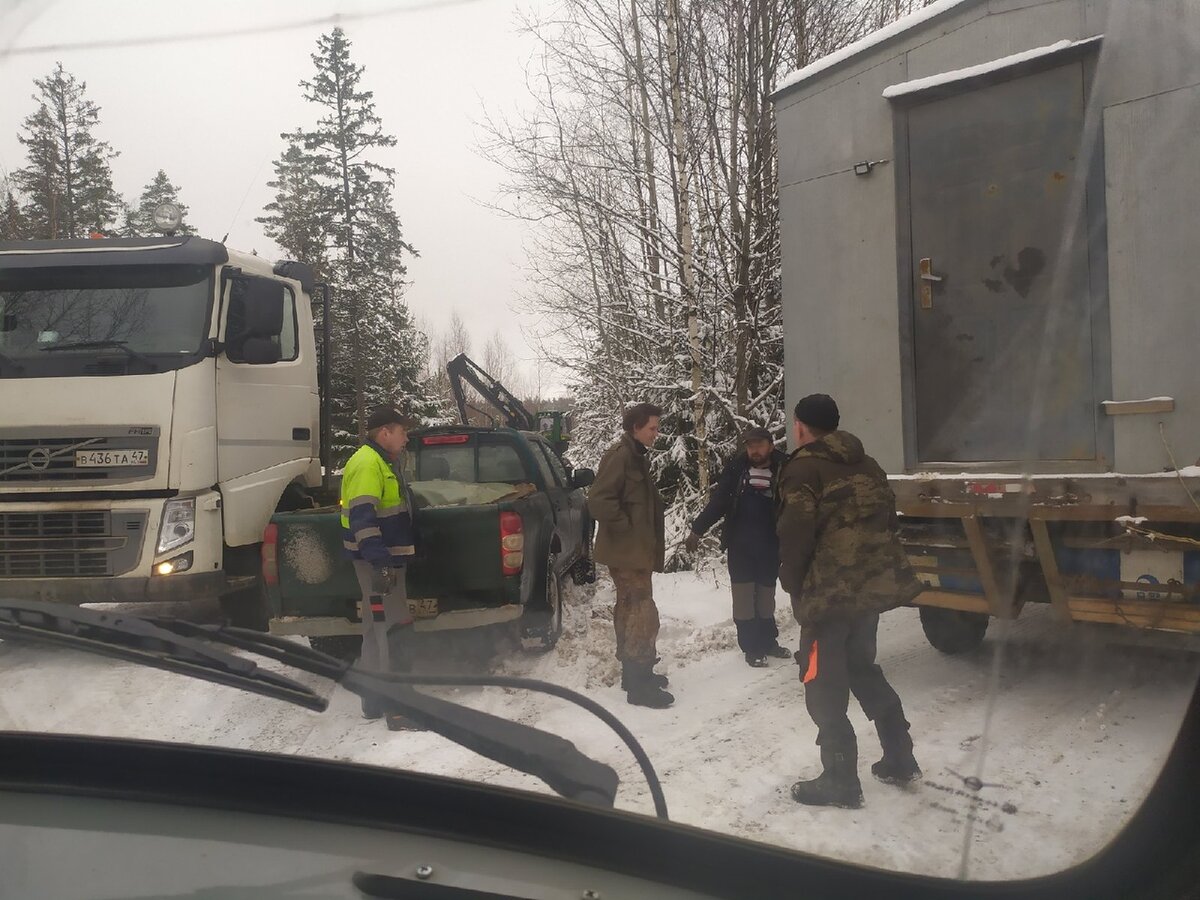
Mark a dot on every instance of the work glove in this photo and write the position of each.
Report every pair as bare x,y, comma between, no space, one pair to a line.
383,579
692,542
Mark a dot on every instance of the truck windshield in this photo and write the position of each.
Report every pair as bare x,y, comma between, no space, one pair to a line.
104,319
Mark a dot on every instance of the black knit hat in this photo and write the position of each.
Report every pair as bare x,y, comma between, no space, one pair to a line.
388,415
818,411
756,433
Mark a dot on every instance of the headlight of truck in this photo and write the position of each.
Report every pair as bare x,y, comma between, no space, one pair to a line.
178,524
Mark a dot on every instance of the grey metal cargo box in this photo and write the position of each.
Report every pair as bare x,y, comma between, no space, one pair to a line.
990,241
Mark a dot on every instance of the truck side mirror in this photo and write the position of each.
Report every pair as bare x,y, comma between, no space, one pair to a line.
255,321
582,478
264,307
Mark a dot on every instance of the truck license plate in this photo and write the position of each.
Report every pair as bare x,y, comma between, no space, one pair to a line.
103,459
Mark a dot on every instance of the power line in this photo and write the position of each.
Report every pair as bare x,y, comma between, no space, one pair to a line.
225,34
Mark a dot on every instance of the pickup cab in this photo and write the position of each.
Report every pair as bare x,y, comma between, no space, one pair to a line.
500,521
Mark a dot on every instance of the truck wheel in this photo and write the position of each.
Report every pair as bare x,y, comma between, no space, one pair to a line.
542,627
953,630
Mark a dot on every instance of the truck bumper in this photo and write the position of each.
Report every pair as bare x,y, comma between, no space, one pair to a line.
171,588
453,620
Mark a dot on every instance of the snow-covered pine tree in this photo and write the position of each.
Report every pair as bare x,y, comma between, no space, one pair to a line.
334,209
13,226
67,184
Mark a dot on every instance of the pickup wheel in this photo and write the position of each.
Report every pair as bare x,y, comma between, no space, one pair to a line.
584,571
952,630
542,627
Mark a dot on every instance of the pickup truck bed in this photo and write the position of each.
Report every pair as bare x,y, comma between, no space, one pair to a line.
477,563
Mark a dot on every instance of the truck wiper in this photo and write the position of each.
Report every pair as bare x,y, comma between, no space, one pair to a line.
186,648
104,345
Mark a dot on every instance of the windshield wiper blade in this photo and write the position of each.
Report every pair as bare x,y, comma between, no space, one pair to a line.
183,647
138,640
104,345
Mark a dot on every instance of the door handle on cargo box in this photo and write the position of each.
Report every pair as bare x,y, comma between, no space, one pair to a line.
927,280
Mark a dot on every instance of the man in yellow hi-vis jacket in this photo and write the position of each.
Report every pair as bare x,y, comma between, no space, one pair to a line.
377,533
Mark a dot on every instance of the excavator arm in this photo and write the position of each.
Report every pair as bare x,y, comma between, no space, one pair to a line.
463,369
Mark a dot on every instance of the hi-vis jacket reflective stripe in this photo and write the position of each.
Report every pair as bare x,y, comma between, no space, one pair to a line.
376,522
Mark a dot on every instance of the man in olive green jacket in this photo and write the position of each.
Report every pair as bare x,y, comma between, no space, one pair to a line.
843,565
628,511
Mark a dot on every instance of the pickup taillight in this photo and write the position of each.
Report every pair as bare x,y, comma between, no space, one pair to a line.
512,543
270,554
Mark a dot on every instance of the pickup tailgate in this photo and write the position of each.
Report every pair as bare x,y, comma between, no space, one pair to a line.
458,564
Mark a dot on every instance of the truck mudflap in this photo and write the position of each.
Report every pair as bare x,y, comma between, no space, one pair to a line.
451,620
1122,550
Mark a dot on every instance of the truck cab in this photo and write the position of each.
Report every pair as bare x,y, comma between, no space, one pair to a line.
160,403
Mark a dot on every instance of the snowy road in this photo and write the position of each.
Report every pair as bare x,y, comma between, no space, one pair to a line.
1066,728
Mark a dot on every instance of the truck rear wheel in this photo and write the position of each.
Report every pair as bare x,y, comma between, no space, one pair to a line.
953,630
542,627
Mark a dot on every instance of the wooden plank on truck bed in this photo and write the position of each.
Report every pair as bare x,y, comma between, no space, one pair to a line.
1165,615
1000,606
951,600
1049,562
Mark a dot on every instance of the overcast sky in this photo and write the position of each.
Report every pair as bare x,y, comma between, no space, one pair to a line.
210,113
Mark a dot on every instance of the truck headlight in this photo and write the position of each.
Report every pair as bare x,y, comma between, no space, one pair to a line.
178,524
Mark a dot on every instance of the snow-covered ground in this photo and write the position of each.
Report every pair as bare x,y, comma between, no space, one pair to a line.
1066,729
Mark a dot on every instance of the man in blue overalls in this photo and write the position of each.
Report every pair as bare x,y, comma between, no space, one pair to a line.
745,497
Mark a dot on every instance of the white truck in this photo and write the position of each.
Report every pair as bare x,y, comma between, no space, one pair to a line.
159,403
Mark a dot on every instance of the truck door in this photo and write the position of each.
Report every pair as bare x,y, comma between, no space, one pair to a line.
1008,302
576,502
266,402
565,518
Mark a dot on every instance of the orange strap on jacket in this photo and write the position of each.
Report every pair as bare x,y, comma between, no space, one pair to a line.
811,672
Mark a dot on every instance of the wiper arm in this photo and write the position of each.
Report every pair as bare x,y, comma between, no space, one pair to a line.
138,640
104,345
183,647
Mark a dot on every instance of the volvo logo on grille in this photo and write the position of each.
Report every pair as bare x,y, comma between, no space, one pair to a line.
39,459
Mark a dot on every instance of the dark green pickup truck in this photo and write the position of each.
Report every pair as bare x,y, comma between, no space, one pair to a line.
500,522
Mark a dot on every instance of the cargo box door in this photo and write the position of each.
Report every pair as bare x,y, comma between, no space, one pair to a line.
1002,309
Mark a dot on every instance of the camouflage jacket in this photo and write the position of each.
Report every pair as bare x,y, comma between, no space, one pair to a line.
838,545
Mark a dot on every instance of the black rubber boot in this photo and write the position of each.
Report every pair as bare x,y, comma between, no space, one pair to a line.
898,765
755,661
780,652
640,687
371,709
656,678
837,785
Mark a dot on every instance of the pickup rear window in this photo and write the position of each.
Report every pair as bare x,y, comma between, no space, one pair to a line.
483,460
465,470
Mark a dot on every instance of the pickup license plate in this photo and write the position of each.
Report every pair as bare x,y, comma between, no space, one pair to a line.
104,459
421,608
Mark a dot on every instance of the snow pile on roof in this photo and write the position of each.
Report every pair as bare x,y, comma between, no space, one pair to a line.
871,40
1005,62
